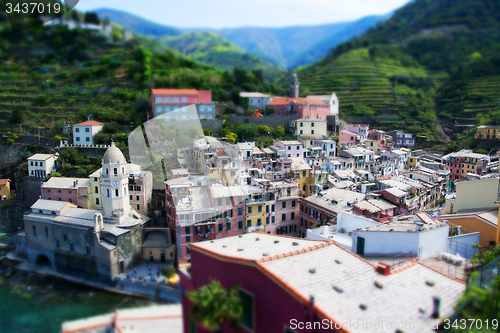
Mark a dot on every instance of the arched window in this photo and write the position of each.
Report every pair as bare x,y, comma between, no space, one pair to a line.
107,192
107,171
116,193
115,171
123,169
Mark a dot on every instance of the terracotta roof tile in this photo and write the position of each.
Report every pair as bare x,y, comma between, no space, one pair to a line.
89,123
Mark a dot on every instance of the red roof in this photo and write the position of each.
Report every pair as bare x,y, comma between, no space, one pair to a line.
4,181
174,91
297,100
90,123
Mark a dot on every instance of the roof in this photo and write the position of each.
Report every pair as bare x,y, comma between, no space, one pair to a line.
345,287
297,100
41,157
174,91
157,239
113,155
335,200
489,216
4,181
51,205
61,182
227,191
90,123
299,163
320,97
254,246
395,192
253,94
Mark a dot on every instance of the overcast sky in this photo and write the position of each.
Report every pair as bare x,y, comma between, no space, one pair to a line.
237,13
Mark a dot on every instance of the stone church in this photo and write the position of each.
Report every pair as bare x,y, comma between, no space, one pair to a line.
88,243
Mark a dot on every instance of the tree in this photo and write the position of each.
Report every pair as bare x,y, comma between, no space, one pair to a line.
246,130
91,17
213,305
232,137
279,130
263,129
235,96
206,131
17,116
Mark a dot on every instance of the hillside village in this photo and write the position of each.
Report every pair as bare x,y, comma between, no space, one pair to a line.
277,192
369,199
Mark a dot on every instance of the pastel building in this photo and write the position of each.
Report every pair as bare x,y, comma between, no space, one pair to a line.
464,162
304,108
41,165
5,189
349,138
74,190
301,127
360,129
166,100
292,148
488,132
402,139
332,100
83,133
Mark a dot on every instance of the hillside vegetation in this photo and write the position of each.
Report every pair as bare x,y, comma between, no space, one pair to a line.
214,50
432,62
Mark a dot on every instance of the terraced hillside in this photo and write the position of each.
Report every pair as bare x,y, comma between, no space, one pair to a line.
483,94
376,88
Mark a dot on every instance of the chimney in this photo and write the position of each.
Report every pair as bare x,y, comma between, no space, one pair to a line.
418,226
383,268
326,230
436,303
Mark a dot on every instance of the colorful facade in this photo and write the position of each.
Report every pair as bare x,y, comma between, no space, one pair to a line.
302,107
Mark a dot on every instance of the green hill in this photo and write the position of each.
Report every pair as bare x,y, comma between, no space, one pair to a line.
211,49
432,62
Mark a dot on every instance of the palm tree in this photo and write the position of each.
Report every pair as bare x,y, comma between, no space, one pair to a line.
213,305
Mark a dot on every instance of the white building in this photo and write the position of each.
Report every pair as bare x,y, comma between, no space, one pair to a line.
256,100
329,147
83,133
308,127
41,165
331,100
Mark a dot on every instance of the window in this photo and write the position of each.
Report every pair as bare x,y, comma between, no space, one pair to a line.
283,217
272,208
312,131
298,147
219,202
34,231
301,124
283,204
96,189
131,197
77,130
259,209
138,207
312,124
292,216
137,198
267,209
249,223
57,243
228,226
220,227
159,99
187,230
240,225
267,220
88,249
97,201
176,99
71,248
293,203
248,311
138,188
303,174
240,211
77,138
184,99
116,193
272,220
289,147
249,209
87,130
188,239
228,201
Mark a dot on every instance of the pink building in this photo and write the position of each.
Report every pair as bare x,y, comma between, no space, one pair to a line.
286,206
166,100
74,190
349,138
292,285
305,108
292,148
360,129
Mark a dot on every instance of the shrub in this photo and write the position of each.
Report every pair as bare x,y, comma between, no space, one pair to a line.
43,100
168,270
70,101
58,138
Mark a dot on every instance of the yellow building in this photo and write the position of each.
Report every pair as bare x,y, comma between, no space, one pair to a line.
488,132
95,195
484,222
5,189
158,246
300,166
413,162
255,213
473,194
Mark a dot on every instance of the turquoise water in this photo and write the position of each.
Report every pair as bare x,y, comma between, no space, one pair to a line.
40,305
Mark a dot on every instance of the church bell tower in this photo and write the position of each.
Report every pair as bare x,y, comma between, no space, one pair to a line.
294,86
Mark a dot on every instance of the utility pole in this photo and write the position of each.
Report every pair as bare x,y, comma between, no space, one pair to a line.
39,137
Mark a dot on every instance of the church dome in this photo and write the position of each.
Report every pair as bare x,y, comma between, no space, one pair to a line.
113,155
